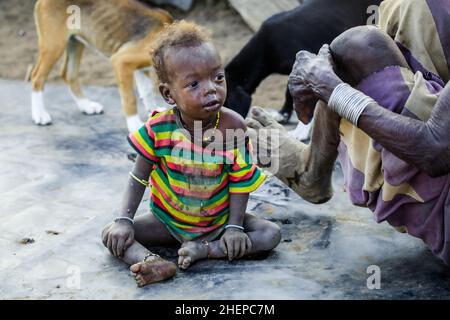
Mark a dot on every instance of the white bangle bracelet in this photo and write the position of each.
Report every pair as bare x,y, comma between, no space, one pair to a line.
234,226
124,218
348,102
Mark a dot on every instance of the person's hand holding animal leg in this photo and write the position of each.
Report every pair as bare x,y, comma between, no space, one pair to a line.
314,72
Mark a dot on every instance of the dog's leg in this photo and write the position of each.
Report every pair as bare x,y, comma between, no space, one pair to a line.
125,63
52,42
70,73
145,88
151,99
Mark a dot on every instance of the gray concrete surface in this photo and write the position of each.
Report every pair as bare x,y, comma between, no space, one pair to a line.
68,179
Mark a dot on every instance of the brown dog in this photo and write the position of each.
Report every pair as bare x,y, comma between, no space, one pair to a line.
123,30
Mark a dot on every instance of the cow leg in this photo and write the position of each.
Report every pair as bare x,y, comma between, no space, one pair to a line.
287,109
283,115
307,169
303,131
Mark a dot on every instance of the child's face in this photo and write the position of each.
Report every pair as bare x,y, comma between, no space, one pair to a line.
197,81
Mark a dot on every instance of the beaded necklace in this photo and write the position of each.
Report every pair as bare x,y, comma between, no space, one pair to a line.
205,139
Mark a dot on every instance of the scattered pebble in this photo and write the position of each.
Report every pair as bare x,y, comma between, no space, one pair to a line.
26,241
22,33
52,232
285,221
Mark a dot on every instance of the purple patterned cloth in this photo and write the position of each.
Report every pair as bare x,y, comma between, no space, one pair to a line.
408,197
397,192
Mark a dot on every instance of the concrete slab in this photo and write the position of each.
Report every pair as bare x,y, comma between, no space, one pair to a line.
60,184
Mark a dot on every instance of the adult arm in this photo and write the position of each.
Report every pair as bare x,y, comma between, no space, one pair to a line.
424,144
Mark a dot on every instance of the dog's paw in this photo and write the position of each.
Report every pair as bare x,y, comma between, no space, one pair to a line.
41,117
89,107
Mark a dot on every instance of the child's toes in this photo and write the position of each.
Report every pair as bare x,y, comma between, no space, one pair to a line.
182,256
180,260
135,268
140,283
186,263
182,252
139,279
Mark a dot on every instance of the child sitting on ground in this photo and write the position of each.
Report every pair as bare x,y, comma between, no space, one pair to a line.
199,194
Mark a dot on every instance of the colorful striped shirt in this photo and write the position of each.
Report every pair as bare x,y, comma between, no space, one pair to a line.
190,185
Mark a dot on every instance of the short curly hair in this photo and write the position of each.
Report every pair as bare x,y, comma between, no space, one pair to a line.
180,34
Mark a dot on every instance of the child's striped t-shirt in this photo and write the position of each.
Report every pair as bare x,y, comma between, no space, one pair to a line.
190,184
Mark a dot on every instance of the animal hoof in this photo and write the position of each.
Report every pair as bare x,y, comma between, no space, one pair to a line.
89,107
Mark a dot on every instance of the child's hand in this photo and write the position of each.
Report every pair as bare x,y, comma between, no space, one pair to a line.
235,243
119,237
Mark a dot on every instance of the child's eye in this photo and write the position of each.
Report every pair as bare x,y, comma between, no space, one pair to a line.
193,84
220,77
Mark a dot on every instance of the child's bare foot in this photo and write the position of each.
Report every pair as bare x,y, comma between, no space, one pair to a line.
190,252
153,270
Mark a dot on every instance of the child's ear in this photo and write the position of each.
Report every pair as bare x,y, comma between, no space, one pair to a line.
164,89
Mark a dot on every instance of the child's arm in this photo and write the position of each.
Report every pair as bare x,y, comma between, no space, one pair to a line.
121,233
235,242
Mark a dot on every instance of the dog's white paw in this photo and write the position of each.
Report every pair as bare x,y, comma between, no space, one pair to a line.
39,115
89,107
134,123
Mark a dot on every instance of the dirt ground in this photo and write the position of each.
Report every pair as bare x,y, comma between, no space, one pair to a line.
18,45
56,200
